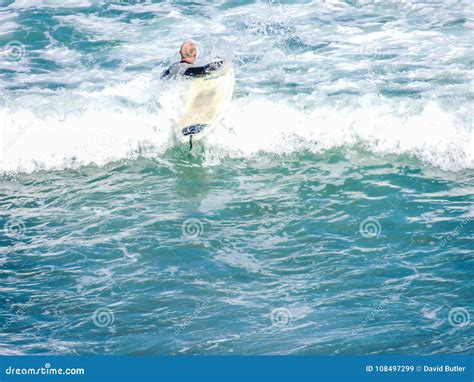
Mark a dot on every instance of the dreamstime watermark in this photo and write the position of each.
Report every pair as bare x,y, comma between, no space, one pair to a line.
459,317
446,239
277,7
14,51
191,318
18,314
407,5
372,51
14,228
370,317
91,60
370,228
278,229
45,370
281,317
102,228
103,139
103,317
192,228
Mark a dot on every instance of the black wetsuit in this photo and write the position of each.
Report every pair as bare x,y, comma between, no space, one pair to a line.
185,69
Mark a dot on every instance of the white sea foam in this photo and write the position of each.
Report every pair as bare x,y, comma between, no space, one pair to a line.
97,27
101,128
8,22
62,55
8,27
25,4
287,99
432,135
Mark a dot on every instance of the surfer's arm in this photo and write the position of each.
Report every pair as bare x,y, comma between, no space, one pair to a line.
199,71
166,74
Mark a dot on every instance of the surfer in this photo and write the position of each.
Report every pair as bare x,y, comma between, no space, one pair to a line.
187,67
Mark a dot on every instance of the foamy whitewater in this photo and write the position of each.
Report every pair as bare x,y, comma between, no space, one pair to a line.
339,185
393,78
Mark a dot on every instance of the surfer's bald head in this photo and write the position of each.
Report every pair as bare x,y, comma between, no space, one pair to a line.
188,51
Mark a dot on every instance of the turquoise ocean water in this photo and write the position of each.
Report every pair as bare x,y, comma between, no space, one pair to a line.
329,213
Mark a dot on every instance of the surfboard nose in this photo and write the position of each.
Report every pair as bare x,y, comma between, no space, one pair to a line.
206,100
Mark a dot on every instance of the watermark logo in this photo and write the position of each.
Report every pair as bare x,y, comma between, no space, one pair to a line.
281,317
407,5
372,51
103,139
15,228
103,317
191,318
370,228
47,369
279,229
192,228
446,239
276,6
14,51
18,314
371,317
458,317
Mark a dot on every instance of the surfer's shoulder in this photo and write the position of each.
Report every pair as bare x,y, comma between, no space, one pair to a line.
175,70
199,71
184,69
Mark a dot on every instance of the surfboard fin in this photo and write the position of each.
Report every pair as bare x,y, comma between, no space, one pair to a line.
193,129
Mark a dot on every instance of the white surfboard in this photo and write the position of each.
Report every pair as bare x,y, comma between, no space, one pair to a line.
206,101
